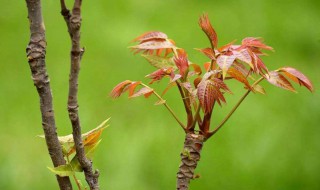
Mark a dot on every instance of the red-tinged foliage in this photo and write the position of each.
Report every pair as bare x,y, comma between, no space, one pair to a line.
208,93
196,81
181,62
196,68
133,86
153,45
119,89
279,80
258,66
172,84
243,55
207,66
207,28
143,91
175,77
211,74
236,74
225,62
297,77
154,42
152,35
226,47
187,86
159,74
207,52
241,68
240,62
221,85
255,44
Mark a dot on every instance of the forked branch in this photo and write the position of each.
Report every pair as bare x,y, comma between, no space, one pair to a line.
73,21
36,51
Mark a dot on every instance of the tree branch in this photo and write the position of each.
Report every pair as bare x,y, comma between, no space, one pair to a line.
36,51
73,22
233,109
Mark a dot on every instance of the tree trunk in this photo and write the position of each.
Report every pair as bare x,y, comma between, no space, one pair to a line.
36,51
189,159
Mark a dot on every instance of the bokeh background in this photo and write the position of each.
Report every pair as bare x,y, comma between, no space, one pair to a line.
271,142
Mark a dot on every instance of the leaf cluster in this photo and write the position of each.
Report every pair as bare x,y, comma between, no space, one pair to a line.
201,87
91,140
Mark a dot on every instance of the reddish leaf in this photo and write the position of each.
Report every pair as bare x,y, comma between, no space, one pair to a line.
207,75
207,94
159,74
187,86
168,87
279,80
197,81
255,42
227,46
143,91
241,68
132,87
196,68
119,89
207,66
207,28
225,62
258,66
175,78
148,94
149,46
182,63
236,74
221,85
243,55
208,52
297,77
152,35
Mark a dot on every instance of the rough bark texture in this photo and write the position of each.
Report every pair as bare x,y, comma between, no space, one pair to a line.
189,159
36,51
73,21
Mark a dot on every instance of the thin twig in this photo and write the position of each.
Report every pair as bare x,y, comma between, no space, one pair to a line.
233,109
73,22
185,97
167,106
196,117
36,52
186,100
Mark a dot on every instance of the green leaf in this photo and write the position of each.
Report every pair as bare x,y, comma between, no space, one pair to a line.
63,170
159,62
259,89
89,150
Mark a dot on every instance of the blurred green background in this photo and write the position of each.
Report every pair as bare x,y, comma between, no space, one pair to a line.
271,142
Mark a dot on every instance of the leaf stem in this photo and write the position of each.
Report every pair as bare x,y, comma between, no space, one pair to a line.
196,116
167,106
74,175
187,107
233,109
